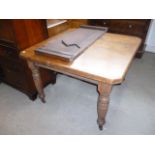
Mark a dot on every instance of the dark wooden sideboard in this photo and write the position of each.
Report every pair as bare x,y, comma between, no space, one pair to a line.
15,36
135,27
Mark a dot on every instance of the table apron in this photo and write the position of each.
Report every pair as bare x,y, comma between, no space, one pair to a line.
70,74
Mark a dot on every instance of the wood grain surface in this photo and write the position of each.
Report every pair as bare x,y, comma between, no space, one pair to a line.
107,60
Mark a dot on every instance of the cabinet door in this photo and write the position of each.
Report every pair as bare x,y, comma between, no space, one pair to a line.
1,73
7,36
29,32
13,73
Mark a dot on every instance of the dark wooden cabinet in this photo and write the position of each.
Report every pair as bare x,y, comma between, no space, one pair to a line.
15,36
135,27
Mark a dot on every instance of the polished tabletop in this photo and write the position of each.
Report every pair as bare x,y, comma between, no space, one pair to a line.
107,60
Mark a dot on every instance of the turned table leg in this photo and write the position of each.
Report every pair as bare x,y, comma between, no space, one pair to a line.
103,101
37,80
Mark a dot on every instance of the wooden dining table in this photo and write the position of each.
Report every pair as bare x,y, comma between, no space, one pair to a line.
106,63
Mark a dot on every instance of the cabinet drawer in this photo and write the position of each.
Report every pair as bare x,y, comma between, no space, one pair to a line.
11,64
130,28
105,22
136,29
8,52
100,22
16,79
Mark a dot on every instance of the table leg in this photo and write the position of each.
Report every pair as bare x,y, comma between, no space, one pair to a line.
37,80
103,101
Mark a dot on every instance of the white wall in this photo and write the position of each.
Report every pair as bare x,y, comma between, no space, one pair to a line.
150,39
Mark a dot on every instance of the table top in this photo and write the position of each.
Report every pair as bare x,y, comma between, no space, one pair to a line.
107,60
